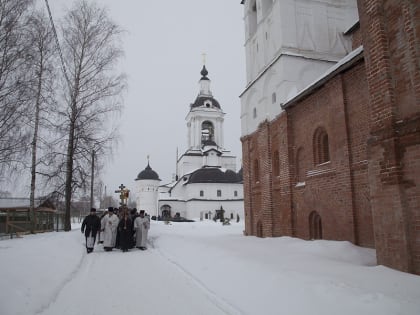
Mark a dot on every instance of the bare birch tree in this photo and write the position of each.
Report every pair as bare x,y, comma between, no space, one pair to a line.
14,136
91,50
40,56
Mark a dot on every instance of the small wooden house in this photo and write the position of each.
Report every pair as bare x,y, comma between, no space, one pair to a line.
15,216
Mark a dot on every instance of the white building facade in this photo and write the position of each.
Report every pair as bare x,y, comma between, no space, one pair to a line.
288,45
147,190
206,177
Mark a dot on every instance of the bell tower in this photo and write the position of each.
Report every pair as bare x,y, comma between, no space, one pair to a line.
205,136
205,118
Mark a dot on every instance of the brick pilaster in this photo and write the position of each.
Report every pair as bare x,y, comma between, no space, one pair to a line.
391,39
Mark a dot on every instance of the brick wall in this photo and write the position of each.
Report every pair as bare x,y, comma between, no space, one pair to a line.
284,203
412,193
263,155
327,188
369,191
358,125
282,208
246,171
390,31
356,39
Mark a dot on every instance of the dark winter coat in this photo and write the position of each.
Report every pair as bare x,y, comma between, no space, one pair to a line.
91,223
126,233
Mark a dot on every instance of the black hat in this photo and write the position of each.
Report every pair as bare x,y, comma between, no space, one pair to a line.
92,210
110,209
141,211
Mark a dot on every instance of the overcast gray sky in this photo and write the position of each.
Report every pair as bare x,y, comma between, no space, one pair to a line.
163,48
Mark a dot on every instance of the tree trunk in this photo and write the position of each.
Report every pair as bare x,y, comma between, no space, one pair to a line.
69,176
34,146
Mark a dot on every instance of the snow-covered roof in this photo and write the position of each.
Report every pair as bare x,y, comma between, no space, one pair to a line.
340,66
171,184
352,27
21,203
17,203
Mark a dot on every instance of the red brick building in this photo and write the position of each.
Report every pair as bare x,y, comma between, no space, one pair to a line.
341,161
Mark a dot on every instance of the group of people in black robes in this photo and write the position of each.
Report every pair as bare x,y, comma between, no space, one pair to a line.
120,228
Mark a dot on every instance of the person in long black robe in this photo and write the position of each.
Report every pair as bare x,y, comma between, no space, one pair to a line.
133,216
125,228
90,226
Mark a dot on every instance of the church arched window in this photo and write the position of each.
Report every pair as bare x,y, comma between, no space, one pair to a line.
321,146
315,226
207,132
256,171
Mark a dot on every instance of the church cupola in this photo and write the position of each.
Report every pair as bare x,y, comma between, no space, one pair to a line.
204,83
205,97
204,73
148,173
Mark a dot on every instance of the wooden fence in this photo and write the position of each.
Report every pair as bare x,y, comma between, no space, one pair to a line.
14,222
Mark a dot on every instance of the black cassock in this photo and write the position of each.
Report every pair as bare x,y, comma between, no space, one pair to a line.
90,226
125,227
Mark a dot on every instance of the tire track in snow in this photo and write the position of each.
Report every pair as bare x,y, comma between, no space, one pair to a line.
217,300
61,286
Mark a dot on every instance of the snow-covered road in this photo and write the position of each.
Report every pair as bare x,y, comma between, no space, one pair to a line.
120,283
199,268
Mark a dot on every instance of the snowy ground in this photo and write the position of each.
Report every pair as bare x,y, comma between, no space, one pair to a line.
199,268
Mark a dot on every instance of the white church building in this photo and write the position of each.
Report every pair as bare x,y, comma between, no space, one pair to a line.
206,180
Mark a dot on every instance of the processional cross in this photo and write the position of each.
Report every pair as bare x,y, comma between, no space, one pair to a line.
124,193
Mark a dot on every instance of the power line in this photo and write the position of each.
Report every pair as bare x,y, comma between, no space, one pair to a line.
58,47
